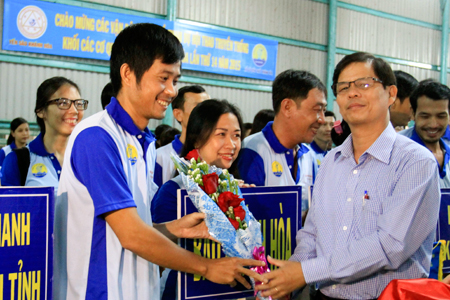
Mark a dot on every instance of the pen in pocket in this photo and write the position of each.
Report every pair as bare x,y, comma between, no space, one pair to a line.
365,197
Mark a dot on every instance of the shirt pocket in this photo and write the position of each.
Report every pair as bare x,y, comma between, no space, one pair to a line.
372,209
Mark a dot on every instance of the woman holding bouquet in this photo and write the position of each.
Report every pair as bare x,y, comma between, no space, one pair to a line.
213,134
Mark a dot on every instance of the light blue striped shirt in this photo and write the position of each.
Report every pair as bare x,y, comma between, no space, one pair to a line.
352,248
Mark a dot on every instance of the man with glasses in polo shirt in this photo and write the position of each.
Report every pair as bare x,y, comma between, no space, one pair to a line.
375,202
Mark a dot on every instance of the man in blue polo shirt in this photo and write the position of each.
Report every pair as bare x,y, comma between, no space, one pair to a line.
188,97
430,103
276,156
105,244
322,142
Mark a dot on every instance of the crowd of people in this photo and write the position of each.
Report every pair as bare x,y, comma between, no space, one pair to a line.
376,193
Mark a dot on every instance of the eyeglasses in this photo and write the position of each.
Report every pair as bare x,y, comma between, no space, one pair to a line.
64,103
341,88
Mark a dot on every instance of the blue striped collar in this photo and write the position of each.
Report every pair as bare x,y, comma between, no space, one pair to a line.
125,121
316,148
275,143
37,146
381,149
13,145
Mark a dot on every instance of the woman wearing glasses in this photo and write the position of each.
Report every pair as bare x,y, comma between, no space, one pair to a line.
58,109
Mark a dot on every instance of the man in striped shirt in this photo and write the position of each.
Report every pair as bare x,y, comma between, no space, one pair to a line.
375,202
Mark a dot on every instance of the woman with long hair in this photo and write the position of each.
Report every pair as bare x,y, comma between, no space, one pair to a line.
58,110
214,131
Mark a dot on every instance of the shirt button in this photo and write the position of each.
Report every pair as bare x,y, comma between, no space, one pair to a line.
51,157
288,152
349,199
59,172
139,136
290,167
345,227
355,171
333,286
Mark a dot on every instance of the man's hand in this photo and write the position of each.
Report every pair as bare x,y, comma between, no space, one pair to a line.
228,270
284,280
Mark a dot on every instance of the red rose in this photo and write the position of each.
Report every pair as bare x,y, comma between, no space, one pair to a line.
192,154
234,223
210,183
239,212
227,199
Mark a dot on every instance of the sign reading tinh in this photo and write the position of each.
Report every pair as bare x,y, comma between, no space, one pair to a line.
26,243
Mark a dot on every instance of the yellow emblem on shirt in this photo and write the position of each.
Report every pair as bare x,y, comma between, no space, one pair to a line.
39,170
277,169
131,154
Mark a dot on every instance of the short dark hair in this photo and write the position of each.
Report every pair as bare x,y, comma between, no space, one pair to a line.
295,85
167,136
261,119
405,84
248,126
380,67
160,129
431,89
13,126
45,91
203,120
179,100
329,114
107,93
138,45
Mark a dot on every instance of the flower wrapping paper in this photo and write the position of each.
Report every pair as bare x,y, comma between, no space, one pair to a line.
235,243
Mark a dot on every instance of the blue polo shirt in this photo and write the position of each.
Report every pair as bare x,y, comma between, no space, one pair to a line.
319,154
265,161
44,169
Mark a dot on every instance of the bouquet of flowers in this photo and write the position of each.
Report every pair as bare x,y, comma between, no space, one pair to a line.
215,192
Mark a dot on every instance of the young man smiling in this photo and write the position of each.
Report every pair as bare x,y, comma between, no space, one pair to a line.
105,244
375,202
430,104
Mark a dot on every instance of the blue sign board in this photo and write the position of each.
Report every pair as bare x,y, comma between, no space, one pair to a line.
26,244
59,29
222,52
278,209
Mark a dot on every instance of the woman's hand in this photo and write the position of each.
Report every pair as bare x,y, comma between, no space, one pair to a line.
242,184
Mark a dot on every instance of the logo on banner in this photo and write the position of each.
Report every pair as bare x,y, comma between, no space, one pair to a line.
259,55
132,154
39,170
32,22
277,169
